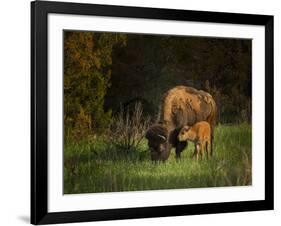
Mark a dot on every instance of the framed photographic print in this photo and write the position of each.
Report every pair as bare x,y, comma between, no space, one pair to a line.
144,112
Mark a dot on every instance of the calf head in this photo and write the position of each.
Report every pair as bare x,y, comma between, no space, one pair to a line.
183,134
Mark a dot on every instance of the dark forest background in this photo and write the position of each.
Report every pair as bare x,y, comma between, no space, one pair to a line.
107,72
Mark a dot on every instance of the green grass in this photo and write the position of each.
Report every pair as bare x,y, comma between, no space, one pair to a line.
97,166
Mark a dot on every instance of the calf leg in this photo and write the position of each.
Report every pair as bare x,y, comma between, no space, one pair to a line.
194,152
197,151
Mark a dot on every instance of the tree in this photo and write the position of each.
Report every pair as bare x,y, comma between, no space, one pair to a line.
87,71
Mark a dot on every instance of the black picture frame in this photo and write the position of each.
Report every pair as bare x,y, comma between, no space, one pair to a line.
39,112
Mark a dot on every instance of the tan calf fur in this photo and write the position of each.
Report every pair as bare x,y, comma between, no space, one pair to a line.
200,135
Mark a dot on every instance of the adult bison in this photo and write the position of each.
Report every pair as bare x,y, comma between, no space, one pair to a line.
180,106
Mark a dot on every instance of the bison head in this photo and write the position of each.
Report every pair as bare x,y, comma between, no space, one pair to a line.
157,136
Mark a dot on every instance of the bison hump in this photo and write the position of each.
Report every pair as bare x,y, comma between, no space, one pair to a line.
184,105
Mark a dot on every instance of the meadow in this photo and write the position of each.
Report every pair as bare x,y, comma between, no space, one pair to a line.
97,165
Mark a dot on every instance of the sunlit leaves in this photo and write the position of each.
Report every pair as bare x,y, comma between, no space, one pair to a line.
87,71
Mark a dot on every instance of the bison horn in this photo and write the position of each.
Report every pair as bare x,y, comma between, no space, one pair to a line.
162,137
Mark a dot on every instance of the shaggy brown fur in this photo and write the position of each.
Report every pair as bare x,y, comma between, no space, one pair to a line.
180,106
200,135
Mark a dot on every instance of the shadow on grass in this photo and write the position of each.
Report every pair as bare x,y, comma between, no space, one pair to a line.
102,151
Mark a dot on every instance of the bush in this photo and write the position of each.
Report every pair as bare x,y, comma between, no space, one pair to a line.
128,128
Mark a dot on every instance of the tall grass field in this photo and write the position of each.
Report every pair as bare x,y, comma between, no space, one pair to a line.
97,165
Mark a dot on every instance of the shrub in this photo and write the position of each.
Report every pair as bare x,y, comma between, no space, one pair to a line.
128,128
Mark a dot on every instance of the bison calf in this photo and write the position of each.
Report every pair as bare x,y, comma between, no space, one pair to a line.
200,135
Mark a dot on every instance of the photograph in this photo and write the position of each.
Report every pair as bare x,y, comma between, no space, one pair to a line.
140,112
155,111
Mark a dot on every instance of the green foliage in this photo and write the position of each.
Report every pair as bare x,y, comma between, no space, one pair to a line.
150,65
87,71
97,166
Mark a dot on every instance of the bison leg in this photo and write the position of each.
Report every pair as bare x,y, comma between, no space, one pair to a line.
207,147
212,141
211,144
180,147
202,150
